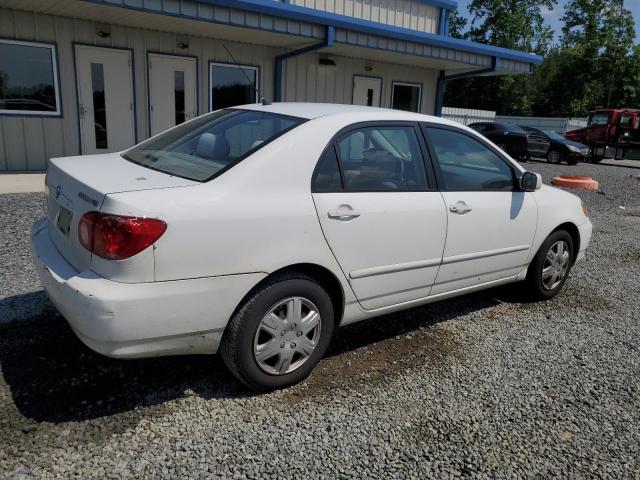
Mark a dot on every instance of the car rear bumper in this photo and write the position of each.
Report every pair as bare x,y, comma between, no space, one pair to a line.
130,320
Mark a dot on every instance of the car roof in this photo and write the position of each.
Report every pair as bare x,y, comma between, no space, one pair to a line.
310,111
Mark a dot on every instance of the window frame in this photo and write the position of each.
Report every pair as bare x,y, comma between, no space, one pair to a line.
406,84
333,143
213,63
515,172
53,48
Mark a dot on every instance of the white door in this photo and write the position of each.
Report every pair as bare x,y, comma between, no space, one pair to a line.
384,226
366,91
105,94
172,91
491,224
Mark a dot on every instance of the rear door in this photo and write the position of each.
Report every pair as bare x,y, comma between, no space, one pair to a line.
380,214
491,224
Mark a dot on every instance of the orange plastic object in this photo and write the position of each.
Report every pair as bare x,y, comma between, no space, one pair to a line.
570,181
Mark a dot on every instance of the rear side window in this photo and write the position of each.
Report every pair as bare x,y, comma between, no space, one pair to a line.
207,146
327,177
382,159
465,164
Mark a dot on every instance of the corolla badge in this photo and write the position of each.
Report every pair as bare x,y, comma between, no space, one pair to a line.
58,191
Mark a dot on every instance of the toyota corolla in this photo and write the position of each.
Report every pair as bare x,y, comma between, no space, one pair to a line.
256,231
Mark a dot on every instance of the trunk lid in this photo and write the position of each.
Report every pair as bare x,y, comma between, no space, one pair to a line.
76,185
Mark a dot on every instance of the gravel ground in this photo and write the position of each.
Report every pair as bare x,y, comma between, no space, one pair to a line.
484,386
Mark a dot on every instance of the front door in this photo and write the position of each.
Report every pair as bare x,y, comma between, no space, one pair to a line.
366,91
490,224
382,221
172,91
105,97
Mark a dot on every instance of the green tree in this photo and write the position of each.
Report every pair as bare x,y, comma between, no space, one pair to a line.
597,41
515,24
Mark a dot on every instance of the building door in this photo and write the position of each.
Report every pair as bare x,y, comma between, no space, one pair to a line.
366,91
105,98
172,91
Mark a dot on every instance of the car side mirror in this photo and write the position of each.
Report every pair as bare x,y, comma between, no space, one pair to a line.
530,182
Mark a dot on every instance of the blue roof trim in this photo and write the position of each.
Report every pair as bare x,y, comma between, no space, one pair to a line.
287,10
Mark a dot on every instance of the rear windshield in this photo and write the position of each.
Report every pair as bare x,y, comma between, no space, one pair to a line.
205,147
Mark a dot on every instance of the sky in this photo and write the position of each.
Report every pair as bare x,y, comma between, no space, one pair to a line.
553,16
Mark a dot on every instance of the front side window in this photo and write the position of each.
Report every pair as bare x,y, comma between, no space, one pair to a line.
406,96
626,121
466,164
28,79
203,148
600,119
232,85
381,159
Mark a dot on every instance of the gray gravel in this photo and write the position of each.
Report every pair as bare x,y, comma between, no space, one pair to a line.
485,386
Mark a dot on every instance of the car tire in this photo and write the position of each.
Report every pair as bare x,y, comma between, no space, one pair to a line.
243,337
554,156
540,285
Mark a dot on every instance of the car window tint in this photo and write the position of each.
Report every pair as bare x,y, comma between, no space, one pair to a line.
382,158
466,164
327,177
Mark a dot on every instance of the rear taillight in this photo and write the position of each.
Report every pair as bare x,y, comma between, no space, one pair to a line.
116,237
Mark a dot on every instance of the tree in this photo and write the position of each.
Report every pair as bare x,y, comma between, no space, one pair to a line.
457,25
597,39
515,24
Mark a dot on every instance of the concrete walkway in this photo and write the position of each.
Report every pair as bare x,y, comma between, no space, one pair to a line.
21,182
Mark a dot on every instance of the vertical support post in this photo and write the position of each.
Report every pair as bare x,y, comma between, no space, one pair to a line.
440,87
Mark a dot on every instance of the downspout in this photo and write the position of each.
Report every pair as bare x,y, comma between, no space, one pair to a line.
279,67
443,22
443,79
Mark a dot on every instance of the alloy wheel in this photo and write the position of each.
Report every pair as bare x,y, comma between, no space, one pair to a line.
553,156
287,336
556,265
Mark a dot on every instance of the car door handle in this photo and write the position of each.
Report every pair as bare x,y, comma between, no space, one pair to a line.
343,212
460,207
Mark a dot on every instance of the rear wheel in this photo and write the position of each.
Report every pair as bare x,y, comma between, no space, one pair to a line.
551,266
280,334
554,156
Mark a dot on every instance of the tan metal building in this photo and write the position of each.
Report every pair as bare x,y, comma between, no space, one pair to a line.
87,76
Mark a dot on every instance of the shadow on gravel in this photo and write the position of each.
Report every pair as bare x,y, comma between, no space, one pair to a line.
53,377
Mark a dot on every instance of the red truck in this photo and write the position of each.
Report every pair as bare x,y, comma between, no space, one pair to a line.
610,133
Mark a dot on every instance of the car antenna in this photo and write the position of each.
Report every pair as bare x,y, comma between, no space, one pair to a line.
263,100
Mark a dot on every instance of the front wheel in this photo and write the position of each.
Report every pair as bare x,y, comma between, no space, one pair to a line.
280,334
551,266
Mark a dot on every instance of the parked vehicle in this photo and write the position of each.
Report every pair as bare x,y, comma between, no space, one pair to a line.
561,149
518,143
257,230
610,133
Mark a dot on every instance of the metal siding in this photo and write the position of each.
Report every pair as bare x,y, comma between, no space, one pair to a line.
27,142
306,81
410,14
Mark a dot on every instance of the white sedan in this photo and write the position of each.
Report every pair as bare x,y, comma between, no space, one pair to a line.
257,230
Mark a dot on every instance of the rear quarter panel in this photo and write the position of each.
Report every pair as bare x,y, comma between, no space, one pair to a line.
259,216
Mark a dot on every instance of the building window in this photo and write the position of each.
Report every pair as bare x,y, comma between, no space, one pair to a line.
406,96
232,85
28,79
